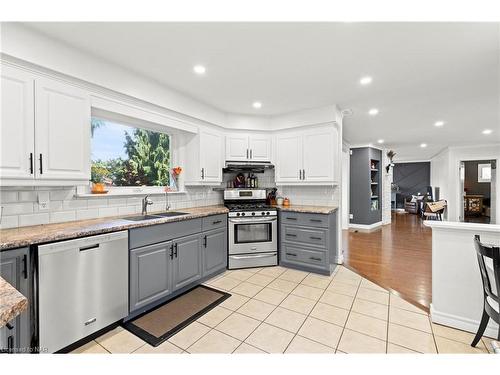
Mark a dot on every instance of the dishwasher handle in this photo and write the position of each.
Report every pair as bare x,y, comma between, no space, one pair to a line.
96,246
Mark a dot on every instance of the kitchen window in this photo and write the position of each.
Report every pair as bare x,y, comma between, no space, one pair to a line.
123,155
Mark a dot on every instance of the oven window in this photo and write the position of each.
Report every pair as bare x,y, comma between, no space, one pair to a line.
246,233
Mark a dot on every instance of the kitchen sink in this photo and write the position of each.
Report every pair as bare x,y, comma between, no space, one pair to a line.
170,214
155,216
141,217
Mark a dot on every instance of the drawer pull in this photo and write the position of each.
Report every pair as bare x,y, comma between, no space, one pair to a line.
291,235
90,321
314,258
216,222
315,238
316,220
291,218
291,254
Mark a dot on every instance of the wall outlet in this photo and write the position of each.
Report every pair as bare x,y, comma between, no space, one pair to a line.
43,206
351,216
43,200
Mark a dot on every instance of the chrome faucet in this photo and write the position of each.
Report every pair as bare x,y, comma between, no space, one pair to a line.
145,203
167,203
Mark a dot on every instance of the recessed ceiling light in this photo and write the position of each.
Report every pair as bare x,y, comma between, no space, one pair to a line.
199,69
366,80
439,123
423,145
487,131
380,141
373,112
257,105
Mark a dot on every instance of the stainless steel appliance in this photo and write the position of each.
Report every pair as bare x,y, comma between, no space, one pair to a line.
82,288
253,229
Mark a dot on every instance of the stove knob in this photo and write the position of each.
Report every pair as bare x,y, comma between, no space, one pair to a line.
242,214
268,213
263,213
253,213
238,214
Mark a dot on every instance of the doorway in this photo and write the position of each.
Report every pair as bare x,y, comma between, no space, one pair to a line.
478,180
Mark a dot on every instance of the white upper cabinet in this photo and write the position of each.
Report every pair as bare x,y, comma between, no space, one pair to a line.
242,147
203,157
288,157
17,125
307,157
45,131
62,131
210,157
237,148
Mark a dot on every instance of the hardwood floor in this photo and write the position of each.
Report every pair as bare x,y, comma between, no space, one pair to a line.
397,257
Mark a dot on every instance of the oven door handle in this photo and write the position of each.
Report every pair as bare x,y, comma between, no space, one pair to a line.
253,256
251,220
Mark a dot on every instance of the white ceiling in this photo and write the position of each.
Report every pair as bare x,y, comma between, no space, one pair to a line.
422,72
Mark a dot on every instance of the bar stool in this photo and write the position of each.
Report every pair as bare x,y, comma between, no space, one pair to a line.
489,263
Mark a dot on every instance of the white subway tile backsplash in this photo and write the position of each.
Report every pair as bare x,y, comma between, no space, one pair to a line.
8,196
33,219
9,222
128,210
58,217
28,196
91,213
117,201
74,204
61,195
17,208
96,203
108,211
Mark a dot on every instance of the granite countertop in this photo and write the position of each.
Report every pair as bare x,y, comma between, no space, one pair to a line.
308,209
25,236
12,303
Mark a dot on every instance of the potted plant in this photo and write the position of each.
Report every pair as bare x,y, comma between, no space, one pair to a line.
98,174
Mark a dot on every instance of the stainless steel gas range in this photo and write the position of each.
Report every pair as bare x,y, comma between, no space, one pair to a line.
253,229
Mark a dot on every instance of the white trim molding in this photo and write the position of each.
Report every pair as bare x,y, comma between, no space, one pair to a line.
366,226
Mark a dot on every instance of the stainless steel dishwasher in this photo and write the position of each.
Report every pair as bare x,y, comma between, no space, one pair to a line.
82,288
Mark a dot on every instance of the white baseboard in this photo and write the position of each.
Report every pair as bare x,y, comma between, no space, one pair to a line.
366,226
465,324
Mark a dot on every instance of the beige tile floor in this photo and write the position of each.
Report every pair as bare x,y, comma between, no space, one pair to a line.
279,310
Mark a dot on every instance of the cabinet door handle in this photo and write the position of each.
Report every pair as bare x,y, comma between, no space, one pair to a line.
303,174
291,254
31,163
316,220
172,251
300,174
205,241
25,266
41,164
314,258
291,235
291,218
251,154
247,153
202,173
216,222
175,249
9,326
315,238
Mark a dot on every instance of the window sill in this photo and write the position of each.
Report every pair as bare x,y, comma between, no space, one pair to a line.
124,194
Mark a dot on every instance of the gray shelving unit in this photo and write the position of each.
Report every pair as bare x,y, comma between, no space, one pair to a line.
366,185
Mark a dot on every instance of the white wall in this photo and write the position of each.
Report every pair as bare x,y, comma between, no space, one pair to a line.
445,174
386,189
345,186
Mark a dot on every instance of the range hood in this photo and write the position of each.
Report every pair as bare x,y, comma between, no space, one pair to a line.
247,166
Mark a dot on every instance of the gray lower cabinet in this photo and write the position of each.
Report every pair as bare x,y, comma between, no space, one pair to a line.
15,269
308,241
214,250
187,261
165,261
150,274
